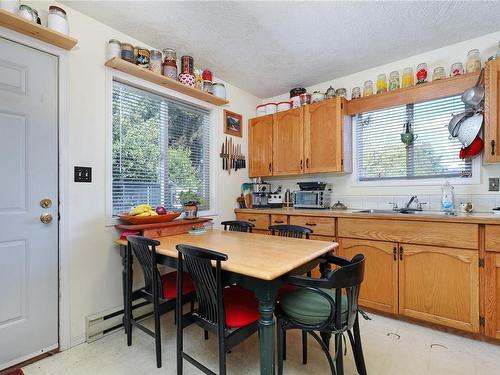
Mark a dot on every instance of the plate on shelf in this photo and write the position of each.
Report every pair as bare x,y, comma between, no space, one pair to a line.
149,219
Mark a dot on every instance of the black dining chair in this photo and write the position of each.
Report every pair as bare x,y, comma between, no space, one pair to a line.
293,231
328,305
160,290
231,313
238,226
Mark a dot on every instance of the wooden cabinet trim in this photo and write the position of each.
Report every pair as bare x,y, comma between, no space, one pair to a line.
455,235
492,238
492,111
492,295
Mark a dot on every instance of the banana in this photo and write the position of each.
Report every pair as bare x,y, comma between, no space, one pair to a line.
144,214
150,208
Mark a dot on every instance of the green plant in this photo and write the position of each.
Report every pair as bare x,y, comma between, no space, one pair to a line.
190,198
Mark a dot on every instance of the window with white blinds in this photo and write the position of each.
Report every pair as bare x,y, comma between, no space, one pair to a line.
382,156
160,148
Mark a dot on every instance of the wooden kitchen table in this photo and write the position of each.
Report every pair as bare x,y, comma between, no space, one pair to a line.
256,262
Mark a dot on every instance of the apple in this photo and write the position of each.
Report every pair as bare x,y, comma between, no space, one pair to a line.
161,211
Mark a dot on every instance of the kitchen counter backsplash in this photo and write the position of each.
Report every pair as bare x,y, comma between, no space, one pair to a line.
481,202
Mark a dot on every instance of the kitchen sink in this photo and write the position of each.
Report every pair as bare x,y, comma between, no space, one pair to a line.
403,212
377,212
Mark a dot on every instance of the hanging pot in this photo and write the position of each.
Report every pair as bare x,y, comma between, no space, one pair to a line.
455,121
475,95
472,150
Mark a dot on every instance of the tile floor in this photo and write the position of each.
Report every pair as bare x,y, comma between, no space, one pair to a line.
391,348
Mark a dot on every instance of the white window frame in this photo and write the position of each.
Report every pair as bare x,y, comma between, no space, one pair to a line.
438,181
215,113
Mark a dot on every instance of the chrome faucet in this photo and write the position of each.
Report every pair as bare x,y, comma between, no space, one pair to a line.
412,199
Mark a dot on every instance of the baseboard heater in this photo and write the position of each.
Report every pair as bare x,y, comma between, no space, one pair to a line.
106,322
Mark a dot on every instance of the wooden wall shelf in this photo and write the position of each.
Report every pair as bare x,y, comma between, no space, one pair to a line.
148,75
14,22
415,94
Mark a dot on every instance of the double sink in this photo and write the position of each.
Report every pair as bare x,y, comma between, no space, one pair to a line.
403,211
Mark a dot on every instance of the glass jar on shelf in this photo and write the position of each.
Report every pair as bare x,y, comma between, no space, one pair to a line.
155,63
368,88
342,92
473,64
356,93
407,78
438,73
456,69
394,80
422,73
381,83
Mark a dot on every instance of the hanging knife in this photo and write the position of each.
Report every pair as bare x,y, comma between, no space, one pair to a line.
229,155
222,157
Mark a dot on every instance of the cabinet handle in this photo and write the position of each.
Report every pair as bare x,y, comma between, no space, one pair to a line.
311,224
279,221
394,253
252,219
401,253
307,163
270,167
301,162
492,147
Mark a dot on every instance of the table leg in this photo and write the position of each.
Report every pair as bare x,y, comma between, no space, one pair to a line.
266,293
123,253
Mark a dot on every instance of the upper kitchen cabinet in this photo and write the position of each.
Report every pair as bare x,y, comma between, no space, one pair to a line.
288,147
492,112
327,137
315,138
260,146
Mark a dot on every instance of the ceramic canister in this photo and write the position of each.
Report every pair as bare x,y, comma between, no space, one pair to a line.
219,90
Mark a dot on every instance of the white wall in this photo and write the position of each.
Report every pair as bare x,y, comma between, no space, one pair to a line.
95,264
373,197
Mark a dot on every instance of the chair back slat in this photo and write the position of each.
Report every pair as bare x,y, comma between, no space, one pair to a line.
206,280
238,226
292,231
144,249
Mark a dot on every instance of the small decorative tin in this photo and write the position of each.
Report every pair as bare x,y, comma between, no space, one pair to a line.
143,57
207,75
187,64
128,52
113,49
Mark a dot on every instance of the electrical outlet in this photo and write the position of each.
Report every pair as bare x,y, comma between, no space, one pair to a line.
83,174
493,184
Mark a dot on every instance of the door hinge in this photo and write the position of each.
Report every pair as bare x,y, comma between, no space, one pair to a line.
481,262
482,321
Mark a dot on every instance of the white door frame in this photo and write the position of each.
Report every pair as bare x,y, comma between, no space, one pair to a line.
64,176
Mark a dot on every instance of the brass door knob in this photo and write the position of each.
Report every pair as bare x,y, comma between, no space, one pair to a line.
46,218
45,203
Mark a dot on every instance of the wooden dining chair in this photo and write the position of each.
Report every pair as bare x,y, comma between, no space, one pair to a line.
294,231
160,290
326,305
238,226
231,313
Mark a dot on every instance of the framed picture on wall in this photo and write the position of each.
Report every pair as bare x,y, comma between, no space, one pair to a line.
233,123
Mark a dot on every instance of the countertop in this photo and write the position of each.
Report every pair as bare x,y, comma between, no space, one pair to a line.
473,218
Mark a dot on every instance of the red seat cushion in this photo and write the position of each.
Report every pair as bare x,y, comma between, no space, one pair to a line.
285,288
169,281
241,307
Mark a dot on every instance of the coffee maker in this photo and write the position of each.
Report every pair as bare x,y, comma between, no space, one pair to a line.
260,194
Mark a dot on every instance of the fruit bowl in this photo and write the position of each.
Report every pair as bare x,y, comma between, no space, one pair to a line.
149,219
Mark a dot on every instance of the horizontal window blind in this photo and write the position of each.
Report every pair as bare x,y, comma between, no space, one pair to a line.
160,148
381,155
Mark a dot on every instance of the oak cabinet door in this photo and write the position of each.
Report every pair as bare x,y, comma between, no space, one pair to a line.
439,285
260,146
288,143
492,294
492,112
261,221
379,289
323,139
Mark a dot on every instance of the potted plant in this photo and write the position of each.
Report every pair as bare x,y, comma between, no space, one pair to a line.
190,200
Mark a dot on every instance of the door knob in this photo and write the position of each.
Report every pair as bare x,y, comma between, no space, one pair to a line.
45,203
46,218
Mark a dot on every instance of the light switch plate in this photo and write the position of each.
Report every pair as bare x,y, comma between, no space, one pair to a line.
83,174
493,184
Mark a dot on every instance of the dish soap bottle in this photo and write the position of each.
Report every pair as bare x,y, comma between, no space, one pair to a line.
447,198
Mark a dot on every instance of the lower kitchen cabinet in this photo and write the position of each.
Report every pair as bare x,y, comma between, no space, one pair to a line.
492,294
261,221
380,286
439,285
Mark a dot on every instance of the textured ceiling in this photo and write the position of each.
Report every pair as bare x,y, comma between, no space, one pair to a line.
266,48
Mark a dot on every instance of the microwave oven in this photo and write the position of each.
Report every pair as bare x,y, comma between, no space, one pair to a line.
312,199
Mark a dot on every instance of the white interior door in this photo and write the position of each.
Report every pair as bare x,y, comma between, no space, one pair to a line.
28,174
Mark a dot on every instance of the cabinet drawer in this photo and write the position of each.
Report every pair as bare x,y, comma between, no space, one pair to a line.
458,235
261,221
279,219
322,238
320,225
492,238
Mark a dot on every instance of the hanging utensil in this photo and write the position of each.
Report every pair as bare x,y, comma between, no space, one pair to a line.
455,121
222,156
469,129
475,95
